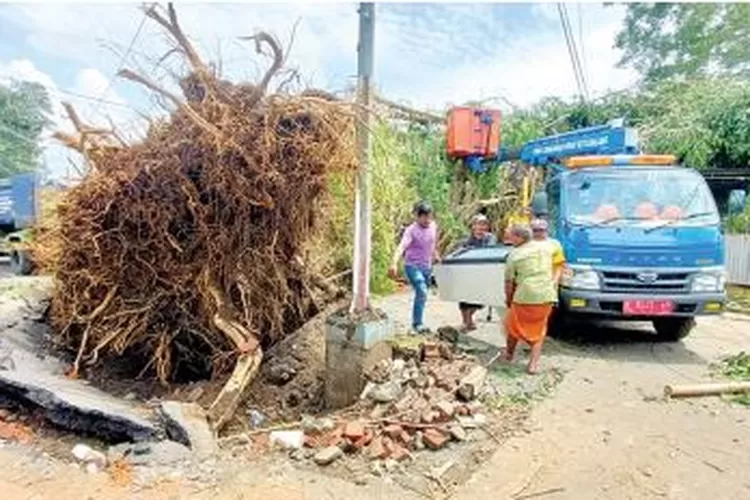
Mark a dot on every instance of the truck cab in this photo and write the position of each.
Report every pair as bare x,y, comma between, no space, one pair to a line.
18,210
642,239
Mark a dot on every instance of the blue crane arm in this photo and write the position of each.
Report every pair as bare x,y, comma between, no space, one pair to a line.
610,139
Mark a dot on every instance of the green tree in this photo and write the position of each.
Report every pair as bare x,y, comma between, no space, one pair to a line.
662,40
24,110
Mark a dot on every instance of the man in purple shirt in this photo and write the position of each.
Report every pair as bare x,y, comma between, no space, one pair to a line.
419,248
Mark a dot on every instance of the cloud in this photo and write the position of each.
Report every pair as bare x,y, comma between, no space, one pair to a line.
520,69
429,55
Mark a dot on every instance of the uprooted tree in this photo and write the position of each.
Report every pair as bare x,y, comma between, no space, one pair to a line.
192,249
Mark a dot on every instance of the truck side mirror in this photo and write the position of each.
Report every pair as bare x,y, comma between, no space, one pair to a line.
539,204
736,202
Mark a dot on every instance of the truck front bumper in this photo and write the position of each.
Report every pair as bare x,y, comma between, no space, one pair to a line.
611,304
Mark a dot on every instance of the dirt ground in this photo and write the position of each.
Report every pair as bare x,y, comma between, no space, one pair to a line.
605,432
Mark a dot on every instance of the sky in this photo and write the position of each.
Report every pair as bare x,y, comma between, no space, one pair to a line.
426,55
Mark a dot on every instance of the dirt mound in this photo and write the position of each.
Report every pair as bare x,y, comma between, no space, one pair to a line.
194,245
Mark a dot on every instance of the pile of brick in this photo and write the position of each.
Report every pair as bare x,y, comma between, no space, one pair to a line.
408,405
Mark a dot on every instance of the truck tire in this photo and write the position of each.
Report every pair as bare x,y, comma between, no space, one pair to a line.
20,263
673,329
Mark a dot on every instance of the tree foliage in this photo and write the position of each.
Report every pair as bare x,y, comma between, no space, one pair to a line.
24,110
663,40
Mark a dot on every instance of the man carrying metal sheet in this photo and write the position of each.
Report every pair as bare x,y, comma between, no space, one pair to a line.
480,237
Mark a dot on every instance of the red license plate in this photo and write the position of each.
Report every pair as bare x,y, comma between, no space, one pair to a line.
647,307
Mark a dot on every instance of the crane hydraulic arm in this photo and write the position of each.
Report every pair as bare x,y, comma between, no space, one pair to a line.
612,138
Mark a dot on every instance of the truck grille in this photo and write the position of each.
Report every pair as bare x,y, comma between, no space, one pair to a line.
626,282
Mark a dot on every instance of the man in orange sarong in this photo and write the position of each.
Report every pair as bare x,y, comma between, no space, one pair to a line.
530,293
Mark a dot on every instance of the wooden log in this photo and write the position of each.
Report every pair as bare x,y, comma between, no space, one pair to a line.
471,385
710,389
232,394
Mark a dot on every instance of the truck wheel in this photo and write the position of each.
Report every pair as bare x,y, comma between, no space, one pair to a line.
673,329
20,263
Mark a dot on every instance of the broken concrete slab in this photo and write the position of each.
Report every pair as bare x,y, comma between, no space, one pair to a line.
187,424
38,380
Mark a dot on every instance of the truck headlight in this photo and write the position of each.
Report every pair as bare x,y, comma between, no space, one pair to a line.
709,280
582,278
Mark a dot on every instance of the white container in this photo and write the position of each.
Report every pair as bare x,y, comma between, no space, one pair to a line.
474,275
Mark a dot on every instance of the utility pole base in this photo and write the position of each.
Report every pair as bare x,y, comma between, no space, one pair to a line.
354,345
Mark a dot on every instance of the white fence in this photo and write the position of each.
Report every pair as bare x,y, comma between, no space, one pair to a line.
738,259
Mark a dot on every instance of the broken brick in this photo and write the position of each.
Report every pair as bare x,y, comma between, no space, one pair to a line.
398,452
354,430
363,441
393,430
434,439
377,448
445,409
315,441
406,439
336,441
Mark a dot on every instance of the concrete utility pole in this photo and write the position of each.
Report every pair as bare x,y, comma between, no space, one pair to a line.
362,200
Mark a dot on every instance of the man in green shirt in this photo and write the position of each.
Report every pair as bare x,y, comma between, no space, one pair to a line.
530,293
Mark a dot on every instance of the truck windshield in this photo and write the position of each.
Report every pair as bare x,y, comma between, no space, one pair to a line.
658,196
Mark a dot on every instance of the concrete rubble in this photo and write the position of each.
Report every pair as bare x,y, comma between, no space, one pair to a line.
35,378
423,402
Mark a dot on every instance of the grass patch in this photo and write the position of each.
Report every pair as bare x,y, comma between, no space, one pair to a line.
738,299
736,367
511,386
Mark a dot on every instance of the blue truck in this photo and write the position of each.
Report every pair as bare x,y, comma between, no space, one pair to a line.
642,236
18,213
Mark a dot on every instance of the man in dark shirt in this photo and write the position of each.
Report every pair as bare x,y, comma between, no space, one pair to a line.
480,237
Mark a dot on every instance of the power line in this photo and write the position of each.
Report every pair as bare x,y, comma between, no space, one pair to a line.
123,59
572,51
580,41
575,51
95,99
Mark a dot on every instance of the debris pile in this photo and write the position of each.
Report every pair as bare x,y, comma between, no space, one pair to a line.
190,252
408,405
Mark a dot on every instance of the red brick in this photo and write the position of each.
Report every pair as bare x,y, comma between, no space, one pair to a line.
434,439
354,430
315,441
398,452
393,430
406,439
377,448
336,441
364,440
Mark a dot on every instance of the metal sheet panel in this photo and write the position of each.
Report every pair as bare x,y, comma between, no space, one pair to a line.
738,258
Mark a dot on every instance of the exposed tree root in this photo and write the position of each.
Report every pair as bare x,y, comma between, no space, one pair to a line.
192,249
